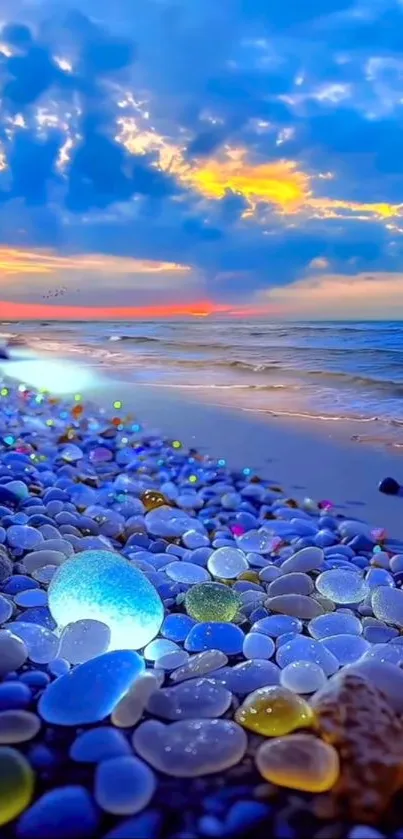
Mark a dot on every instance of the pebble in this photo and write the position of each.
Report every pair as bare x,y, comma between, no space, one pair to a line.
13,652
190,700
212,602
90,692
18,726
177,626
305,560
16,784
225,637
190,748
186,572
227,563
170,523
63,812
303,677
98,744
342,586
387,677
274,711
292,583
130,709
124,785
346,648
277,625
41,643
248,676
302,648
84,640
200,665
300,761
6,609
105,587
335,623
255,541
387,605
257,645
294,605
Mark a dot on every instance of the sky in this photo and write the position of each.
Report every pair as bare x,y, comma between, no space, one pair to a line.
195,157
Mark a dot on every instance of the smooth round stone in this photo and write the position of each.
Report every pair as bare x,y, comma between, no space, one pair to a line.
91,691
45,574
342,586
248,676
335,623
58,666
305,560
124,785
31,597
306,649
14,695
159,647
186,572
396,563
299,761
293,583
212,602
350,528
274,711
71,453
255,541
226,637
384,652
190,700
105,587
84,640
13,652
130,708
200,665
172,660
227,563
18,726
193,540
268,573
177,626
346,648
303,677
387,605
24,537
257,645
276,625
294,605
63,812
6,609
170,522
41,643
190,748
379,577
16,784
39,559
98,744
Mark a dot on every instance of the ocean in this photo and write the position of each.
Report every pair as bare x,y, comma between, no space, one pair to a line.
330,371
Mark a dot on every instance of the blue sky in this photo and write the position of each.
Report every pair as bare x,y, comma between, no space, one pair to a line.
240,152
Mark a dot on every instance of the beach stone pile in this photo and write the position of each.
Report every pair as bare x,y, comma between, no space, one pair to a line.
185,651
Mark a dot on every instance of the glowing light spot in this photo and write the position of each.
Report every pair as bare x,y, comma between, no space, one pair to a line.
118,405
104,586
221,462
4,391
193,479
246,471
77,397
9,440
176,444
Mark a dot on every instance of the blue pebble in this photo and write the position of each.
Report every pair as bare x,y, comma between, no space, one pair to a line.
361,543
146,825
245,814
90,692
62,813
325,538
339,549
38,614
36,679
215,636
41,757
305,542
19,582
359,561
14,695
99,744
176,626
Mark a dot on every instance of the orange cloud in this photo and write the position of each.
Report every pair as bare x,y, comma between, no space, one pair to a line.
37,261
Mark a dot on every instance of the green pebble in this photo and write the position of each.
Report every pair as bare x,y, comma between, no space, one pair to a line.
16,784
212,602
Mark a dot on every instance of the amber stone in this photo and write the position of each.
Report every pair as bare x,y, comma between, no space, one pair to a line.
151,499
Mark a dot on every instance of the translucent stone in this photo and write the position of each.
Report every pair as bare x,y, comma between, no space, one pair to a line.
190,700
84,640
227,563
104,586
24,537
248,676
212,602
200,665
6,609
303,677
306,649
124,785
346,648
226,637
13,652
342,586
39,559
91,691
31,597
131,707
335,623
387,605
18,726
299,761
276,625
186,572
274,711
176,626
71,453
255,541
16,784
257,645
384,652
172,660
152,499
158,647
190,748
41,643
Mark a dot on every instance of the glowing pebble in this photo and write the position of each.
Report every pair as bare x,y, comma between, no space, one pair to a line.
342,586
190,700
336,623
303,677
16,784
299,761
274,711
387,605
105,587
212,602
190,748
227,563
84,640
91,691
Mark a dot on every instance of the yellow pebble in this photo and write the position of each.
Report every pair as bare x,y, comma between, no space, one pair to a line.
300,761
151,499
16,784
273,711
250,576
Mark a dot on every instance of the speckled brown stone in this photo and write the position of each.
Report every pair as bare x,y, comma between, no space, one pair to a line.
355,717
